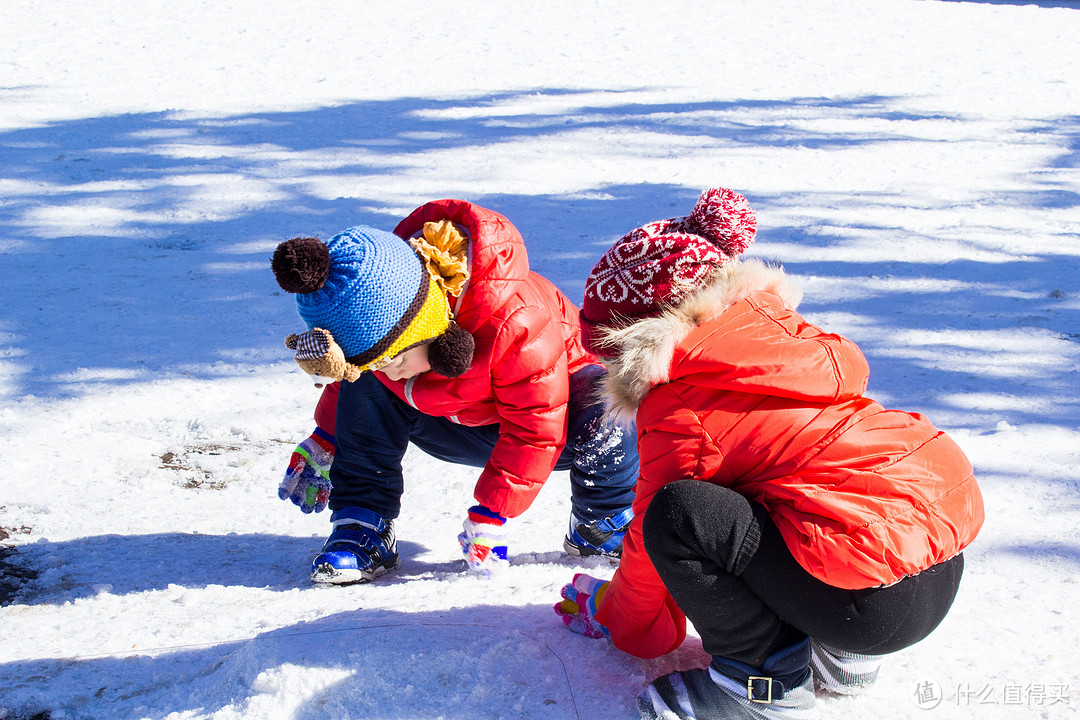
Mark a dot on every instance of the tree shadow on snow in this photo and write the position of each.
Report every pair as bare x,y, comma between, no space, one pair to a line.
481,661
1043,552
1070,4
124,564
138,245
49,572
997,337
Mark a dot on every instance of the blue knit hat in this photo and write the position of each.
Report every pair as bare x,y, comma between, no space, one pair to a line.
375,296
375,285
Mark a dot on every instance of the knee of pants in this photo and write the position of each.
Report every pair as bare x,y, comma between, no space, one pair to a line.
693,518
679,505
665,515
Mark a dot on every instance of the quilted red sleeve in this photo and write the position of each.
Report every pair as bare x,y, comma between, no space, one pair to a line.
531,385
326,409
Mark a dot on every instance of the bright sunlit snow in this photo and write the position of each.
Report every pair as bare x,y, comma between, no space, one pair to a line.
914,162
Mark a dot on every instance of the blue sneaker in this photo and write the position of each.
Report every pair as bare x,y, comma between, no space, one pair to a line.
361,547
603,537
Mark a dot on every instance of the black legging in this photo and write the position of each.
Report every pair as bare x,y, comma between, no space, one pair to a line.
729,570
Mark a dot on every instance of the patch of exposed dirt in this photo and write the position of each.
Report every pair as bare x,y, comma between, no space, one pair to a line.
195,465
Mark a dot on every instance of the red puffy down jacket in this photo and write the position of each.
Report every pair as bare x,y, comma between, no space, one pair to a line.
527,345
755,398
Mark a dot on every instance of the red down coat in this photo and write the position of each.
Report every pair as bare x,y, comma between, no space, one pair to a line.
527,345
751,396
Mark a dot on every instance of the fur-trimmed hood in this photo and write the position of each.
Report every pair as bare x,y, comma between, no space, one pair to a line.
642,353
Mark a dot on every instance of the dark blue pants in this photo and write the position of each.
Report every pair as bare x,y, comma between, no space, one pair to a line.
374,428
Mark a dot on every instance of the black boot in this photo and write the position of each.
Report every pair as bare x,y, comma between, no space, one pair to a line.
781,689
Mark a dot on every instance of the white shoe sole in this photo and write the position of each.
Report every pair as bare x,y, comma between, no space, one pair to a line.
327,574
572,549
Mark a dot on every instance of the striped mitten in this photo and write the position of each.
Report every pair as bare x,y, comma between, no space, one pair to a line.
482,541
307,479
581,599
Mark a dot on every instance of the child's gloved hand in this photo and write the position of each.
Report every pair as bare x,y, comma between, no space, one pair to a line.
482,541
307,479
581,598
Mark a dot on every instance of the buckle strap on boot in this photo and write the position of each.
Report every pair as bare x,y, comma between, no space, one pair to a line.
786,669
760,689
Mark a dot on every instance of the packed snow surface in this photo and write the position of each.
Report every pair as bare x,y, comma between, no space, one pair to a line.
913,162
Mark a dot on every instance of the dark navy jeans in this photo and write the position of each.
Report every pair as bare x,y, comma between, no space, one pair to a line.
375,427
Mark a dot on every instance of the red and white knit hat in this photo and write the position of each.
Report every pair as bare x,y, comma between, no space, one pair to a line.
658,265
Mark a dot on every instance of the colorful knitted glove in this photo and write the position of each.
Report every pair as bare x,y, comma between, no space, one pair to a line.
581,598
307,479
482,541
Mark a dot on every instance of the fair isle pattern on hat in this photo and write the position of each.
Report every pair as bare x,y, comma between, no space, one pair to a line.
659,264
651,265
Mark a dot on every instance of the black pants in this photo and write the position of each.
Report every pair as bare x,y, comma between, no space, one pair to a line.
729,570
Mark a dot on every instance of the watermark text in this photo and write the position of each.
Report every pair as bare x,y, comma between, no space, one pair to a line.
929,694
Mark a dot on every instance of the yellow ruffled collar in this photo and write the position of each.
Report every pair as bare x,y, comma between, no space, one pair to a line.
445,250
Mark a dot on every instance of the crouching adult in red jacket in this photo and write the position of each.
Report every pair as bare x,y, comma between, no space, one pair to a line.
441,336
789,517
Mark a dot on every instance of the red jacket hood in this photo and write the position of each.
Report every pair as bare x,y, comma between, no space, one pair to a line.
782,366
681,344
498,262
528,343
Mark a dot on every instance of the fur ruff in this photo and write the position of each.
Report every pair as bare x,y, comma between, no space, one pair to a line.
642,352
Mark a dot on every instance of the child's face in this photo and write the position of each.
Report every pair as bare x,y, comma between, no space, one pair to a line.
408,364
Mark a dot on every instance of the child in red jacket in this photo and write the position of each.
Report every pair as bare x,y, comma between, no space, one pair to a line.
789,517
441,336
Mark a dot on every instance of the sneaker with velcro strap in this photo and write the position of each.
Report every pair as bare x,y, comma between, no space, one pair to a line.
360,548
603,537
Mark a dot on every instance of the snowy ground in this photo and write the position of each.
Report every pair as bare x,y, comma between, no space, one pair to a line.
915,162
